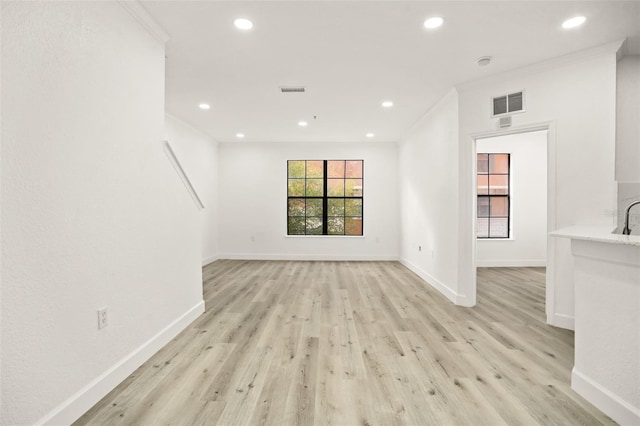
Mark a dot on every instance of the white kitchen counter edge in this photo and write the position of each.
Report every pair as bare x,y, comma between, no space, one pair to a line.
596,233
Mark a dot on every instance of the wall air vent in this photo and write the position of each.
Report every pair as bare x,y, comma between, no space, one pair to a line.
292,89
507,104
505,121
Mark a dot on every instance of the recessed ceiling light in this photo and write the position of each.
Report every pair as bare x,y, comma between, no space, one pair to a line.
302,123
387,104
239,135
484,61
369,135
573,22
243,24
433,22
204,106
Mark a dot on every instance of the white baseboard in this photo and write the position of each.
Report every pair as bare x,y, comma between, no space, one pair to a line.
327,257
435,283
75,406
511,263
608,402
210,259
562,321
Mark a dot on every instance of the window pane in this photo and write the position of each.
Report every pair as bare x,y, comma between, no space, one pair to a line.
353,226
295,226
499,206
315,169
315,187
314,225
314,207
295,188
335,226
499,227
483,206
353,207
483,184
353,187
482,227
498,184
335,187
354,169
483,163
295,169
296,207
335,169
499,163
335,206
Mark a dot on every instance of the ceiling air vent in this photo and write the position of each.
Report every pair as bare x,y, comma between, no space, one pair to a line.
507,104
292,89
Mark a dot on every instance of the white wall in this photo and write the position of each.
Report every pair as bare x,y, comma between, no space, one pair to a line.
198,156
628,141
527,244
93,215
628,120
253,202
429,198
576,96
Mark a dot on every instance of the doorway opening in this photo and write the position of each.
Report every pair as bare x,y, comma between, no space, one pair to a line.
513,201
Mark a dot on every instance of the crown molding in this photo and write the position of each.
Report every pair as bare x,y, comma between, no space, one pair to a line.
613,48
145,19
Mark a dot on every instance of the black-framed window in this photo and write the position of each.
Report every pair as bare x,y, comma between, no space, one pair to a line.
325,197
493,206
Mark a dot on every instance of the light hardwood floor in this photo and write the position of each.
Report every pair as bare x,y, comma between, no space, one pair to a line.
356,343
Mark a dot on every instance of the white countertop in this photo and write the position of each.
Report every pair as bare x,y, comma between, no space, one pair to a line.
596,233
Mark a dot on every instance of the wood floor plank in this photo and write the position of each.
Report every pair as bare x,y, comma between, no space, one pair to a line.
356,343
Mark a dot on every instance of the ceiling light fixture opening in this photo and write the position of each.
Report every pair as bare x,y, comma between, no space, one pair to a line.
243,24
433,22
204,106
573,22
387,104
369,135
239,135
302,123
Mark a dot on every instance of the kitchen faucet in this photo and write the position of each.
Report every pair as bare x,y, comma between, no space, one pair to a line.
626,230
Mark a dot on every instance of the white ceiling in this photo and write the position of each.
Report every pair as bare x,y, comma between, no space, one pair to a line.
352,55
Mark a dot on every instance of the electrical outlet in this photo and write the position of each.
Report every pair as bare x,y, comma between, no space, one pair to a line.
419,248
103,319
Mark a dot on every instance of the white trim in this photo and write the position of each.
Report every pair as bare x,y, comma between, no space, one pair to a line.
183,175
145,20
558,62
561,320
609,403
432,281
553,318
210,259
512,263
326,257
75,406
